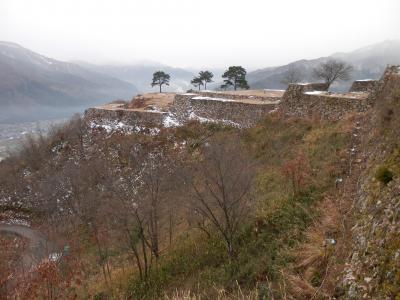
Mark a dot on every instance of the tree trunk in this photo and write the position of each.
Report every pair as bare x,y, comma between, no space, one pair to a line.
160,88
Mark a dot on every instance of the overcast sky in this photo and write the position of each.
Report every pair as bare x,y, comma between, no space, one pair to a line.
187,33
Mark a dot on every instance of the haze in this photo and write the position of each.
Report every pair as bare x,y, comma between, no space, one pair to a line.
190,33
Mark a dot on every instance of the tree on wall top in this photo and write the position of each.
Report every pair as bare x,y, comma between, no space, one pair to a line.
197,82
292,75
206,77
160,78
235,77
333,70
203,78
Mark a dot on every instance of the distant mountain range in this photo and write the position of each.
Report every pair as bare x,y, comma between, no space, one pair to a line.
33,86
368,62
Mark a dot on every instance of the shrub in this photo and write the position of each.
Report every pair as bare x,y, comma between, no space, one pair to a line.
384,175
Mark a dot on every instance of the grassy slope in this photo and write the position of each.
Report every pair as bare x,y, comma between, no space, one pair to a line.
278,224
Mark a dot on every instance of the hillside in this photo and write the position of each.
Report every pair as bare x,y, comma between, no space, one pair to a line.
369,62
296,206
34,86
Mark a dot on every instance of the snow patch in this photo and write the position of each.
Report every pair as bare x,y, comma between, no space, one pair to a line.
54,257
110,127
315,93
193,116
171,121
213,99
15,221
272,90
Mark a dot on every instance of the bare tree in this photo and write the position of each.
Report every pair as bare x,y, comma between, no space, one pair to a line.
333,70
142,208
292,75
221,184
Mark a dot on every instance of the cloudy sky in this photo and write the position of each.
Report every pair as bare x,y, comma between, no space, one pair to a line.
188,33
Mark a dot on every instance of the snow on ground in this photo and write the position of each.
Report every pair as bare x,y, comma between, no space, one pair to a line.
16,221
273,90
193,116
365,80
171,121
213,99
54,257
113,126
315,93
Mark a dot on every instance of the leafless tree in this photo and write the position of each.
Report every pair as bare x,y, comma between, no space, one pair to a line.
292,75
333,70
221,188
144,200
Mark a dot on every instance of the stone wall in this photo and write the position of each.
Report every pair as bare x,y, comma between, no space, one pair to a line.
391,73
226,111
363,85
306,100
238,96
103,115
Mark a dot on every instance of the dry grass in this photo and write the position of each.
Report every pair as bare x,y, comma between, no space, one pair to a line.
158,100
218,294
313,257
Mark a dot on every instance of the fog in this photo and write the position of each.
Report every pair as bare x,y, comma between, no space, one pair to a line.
190,33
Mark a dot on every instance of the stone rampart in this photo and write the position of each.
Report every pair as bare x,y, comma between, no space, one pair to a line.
312,99
267,97
188,106
366,85
116,114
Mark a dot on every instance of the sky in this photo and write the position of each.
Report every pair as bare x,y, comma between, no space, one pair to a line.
187,33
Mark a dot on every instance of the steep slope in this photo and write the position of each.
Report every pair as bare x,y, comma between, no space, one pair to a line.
368,62
141,74
373,260
37,84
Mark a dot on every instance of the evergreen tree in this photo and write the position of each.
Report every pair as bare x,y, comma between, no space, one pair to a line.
197,82
236,77
160,78
206,77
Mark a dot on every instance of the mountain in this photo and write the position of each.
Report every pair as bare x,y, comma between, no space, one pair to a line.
33,86
141,75
368,62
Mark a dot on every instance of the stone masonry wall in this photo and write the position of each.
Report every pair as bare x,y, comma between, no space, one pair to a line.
300,101
226,111
363,85
327,107
101,115
236,97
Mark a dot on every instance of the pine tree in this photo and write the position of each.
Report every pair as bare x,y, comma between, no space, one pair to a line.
197,82
160,78
236,77
206,77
